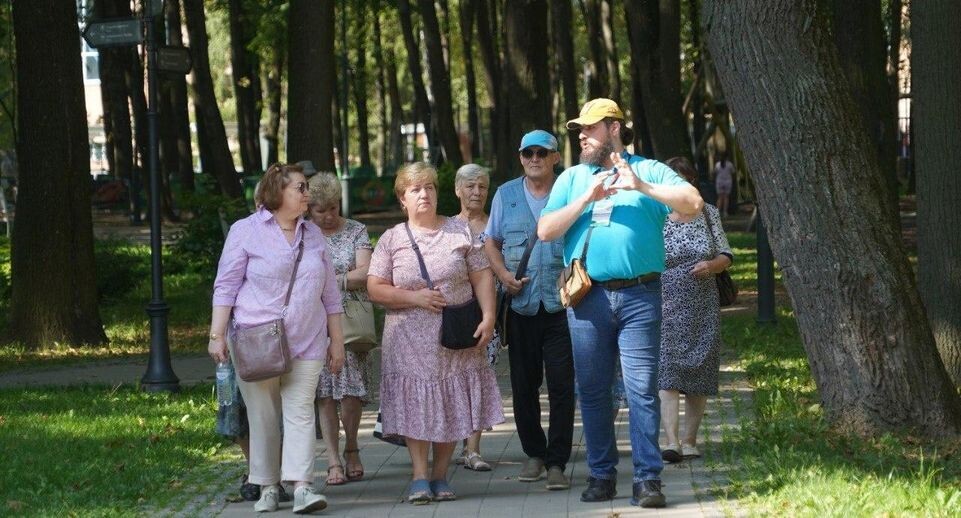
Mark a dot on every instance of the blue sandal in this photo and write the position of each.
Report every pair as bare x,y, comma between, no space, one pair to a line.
442,491
420,492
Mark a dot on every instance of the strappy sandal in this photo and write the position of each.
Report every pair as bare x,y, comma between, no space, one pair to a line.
442,491
420,492
473,461
353,473
335,480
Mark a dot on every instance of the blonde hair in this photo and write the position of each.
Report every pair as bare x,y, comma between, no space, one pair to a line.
269,192
324,189
417,172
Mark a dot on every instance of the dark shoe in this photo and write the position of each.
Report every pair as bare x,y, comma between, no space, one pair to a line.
648,494
672,453
556,480
282,494
599,490
249,492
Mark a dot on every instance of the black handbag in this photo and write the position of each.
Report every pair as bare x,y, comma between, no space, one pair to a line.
458,323
504,301
726,289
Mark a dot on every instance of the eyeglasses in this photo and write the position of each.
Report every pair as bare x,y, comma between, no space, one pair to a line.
301,187
529,153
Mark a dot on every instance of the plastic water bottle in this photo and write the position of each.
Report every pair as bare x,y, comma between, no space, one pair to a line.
225,383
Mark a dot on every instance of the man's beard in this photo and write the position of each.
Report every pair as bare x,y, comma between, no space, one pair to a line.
597,155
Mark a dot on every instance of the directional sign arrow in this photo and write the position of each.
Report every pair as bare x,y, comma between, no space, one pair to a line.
113,33
174,59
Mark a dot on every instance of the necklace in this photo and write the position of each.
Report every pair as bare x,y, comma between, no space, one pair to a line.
286,229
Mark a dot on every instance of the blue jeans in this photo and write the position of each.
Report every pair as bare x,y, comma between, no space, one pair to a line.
606,325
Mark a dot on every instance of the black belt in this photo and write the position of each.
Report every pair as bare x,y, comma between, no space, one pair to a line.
620,284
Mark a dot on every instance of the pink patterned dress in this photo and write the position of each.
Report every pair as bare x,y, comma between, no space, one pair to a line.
429,392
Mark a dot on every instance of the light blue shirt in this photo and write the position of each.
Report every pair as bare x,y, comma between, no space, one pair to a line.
633,243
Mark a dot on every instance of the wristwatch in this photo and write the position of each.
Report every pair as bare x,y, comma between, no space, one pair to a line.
214,336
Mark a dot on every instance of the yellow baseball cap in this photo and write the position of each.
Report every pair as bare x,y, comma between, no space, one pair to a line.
595,111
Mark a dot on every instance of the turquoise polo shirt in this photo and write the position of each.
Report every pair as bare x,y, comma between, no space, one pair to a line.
633,243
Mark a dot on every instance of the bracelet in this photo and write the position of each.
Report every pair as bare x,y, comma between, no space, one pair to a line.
214,336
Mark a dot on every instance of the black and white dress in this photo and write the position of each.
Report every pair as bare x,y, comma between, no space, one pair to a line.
691,321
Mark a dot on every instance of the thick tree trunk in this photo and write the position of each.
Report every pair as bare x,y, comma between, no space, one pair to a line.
642,133
178,103
53,281
936,71
217,160
598,82
360,82
487,31
443,107
396,146
560,32
383,133
467,43
656,48
871,351
610,48
422,108
245,66
311,75
275,72
701,162
526,71
114,93
859,35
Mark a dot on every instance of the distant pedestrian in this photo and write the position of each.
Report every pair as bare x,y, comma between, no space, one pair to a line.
723,183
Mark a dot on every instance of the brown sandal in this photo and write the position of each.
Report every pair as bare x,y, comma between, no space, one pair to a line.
354,474
332,478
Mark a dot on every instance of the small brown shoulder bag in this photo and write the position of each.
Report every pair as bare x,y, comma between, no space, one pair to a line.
573,282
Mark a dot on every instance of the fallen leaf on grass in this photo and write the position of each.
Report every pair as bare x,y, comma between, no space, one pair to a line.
233,499
15,505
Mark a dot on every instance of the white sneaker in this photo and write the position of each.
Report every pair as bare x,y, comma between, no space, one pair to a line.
308,500
269,496
689,451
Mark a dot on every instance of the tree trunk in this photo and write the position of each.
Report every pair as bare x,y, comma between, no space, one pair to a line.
53,276
178,103
701,162
642,132
871,350
859,36
561,31
360,82
396,110
487,30
274,90
467,42
526,71
421,103
656,48
114,93
383,136
598,82
610,48
936,75
245,67
311,75
443,107
217,159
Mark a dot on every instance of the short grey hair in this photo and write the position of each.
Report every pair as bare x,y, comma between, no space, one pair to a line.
324,189
469,172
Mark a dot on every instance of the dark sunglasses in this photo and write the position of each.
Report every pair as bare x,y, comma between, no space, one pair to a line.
541,153
302,187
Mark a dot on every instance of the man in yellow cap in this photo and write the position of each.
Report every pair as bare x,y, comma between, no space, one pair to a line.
610,210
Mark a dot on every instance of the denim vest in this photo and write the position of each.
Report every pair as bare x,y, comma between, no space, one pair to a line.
546,261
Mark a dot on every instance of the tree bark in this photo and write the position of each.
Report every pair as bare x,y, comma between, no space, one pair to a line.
360,82
178,103
274,91
53,281
467,44
114,93
487,31
526,71
859,36
245,66
383,134
871,350
396,146
311,75
561,31
598,82
422,106
642,133
217,160
610,48
656,48
443,107
936,74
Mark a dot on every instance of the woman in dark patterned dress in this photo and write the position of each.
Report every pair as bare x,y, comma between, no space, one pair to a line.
350,250
691,325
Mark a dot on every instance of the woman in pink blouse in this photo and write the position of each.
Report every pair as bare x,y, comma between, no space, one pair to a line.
431,395
251,283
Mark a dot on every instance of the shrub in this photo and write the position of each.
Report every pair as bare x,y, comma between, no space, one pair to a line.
447,202
201,240
121,267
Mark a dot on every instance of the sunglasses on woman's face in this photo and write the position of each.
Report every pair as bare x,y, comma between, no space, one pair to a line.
529,153
301,187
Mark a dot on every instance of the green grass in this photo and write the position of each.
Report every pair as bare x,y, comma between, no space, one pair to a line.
97,451
787,461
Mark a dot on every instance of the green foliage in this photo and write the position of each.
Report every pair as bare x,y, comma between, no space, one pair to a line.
201,240
447,202
121,266
100,451
8,79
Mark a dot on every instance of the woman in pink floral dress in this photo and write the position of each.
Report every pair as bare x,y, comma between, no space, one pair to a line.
431,395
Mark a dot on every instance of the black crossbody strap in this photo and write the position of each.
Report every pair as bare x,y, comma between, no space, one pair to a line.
522,266
420,258
587,242
293,275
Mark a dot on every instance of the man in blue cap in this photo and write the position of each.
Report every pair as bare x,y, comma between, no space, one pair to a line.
617,203
540,342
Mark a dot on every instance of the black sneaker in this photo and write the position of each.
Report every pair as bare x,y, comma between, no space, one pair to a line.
599,490
249,492
283,495
648,494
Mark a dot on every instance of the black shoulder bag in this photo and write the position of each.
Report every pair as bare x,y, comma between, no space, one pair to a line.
458,323
504,303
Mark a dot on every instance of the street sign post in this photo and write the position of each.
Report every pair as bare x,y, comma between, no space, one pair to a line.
174,59
114,33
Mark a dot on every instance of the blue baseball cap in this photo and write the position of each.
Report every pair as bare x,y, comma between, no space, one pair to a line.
538,138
